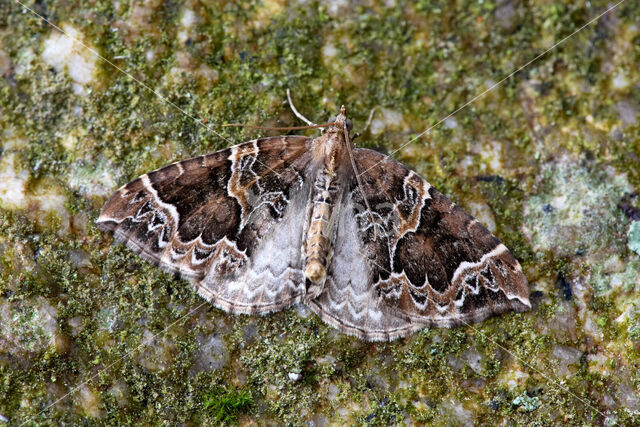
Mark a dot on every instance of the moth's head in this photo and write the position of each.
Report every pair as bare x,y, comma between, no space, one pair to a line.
341,122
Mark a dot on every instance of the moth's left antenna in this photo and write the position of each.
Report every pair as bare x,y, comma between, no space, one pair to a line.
296,112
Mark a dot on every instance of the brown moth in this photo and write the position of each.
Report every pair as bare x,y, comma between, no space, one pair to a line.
366,243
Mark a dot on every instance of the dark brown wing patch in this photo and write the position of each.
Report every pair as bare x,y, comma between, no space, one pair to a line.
205,217
427,263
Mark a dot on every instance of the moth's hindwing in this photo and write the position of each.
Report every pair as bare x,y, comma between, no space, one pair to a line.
230,221
414,260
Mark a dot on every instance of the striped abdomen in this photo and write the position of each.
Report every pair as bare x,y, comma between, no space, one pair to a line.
320,234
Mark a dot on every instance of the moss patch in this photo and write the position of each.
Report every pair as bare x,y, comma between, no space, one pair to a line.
225,406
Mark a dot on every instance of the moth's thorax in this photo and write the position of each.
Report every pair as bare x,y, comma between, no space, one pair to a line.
330,150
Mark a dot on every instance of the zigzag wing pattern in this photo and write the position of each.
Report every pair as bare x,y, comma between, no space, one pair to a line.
415,259
212,219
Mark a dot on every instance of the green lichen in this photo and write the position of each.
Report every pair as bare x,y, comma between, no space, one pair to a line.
634,237
526,403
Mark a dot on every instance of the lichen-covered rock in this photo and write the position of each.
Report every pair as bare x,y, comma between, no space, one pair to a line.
89,402
68,53
212,354
634,237
30,328
564,360
12,180
575,211
157,351
546,159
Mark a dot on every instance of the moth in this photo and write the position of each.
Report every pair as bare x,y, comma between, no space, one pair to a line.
370,246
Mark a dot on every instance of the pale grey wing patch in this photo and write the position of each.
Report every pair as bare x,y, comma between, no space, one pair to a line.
272,278
348,302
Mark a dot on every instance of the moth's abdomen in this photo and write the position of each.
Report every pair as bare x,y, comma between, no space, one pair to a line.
320,234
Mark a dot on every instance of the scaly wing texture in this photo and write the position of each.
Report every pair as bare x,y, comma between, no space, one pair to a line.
228,221
414,260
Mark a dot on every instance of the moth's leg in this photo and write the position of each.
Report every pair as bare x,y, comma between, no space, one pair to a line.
298,115
366,126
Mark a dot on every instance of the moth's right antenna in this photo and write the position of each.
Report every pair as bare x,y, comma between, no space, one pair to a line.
357,174
367,125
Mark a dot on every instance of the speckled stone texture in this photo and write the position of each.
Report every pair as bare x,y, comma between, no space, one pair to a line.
548,161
